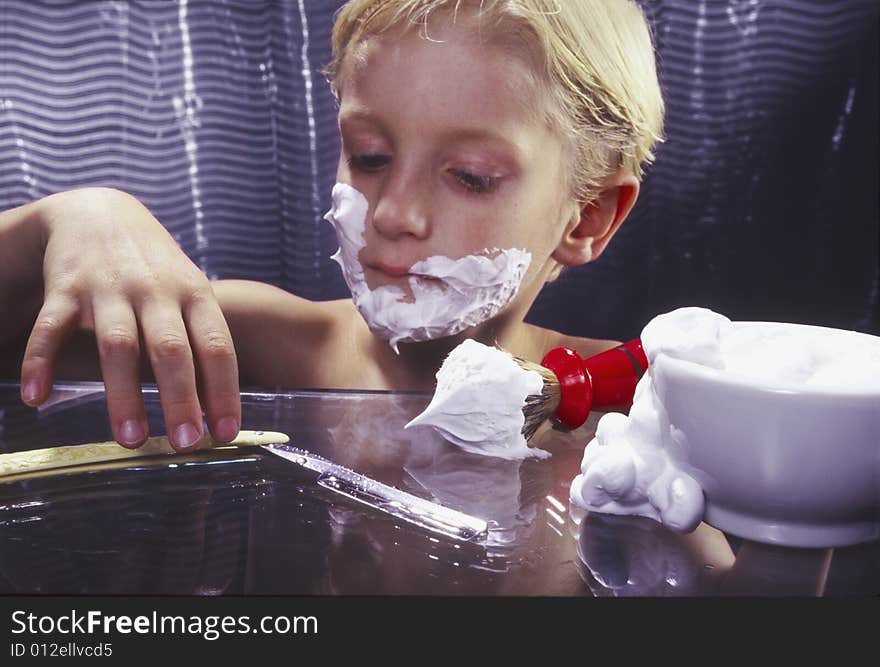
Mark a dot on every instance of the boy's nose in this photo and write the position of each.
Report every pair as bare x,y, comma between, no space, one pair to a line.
401,211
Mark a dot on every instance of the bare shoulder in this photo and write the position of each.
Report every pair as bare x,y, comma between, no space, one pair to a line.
585,347
279,337
244,299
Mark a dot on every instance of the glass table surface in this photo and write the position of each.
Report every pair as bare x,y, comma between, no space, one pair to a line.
246,522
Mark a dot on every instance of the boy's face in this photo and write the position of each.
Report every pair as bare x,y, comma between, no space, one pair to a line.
445,140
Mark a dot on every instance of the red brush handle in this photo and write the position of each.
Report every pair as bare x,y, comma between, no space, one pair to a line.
605,380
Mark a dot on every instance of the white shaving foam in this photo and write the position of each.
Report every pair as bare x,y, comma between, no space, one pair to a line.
448,295
478,403
633,465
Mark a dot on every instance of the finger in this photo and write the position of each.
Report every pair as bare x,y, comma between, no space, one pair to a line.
55,322
217,367
116,332
168,349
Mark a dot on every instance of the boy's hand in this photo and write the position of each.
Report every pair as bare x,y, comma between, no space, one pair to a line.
110,267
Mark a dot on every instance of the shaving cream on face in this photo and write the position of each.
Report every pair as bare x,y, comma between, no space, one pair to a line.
448,295
478,403
634,464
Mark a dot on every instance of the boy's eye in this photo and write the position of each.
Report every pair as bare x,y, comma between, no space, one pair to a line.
475,182
368,162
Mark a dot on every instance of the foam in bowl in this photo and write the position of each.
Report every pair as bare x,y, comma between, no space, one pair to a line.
644,463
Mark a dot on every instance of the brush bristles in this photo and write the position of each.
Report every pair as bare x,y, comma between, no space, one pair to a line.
539,407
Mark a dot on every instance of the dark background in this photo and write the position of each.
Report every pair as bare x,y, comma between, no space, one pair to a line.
762,204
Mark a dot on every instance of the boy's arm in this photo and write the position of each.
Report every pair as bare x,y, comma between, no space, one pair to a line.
280,339
96,261
21,276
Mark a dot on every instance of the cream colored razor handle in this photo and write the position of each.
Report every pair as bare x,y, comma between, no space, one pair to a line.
16,463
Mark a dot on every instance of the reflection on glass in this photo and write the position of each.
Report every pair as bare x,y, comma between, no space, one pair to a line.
251,523
634,556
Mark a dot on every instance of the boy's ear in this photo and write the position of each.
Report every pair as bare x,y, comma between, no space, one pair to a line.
592,226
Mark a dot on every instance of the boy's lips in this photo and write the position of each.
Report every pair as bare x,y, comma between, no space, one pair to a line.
390,270
393,274
380,274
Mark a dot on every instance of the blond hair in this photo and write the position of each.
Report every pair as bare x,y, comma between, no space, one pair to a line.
596,57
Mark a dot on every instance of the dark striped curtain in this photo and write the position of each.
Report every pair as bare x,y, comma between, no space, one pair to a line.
762,204
214,114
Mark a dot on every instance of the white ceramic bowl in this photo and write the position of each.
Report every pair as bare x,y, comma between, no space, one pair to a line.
797,467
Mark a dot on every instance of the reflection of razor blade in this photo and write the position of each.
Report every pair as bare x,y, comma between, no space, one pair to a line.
397,503
64,397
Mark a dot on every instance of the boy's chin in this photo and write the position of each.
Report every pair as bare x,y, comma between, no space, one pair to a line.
442,343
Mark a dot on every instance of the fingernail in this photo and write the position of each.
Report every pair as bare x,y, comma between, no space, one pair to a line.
226,429
185,436
30,391
131,434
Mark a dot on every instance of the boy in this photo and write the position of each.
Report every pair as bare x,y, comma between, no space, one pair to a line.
485,145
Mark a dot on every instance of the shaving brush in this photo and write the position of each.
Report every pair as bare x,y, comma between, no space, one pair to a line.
573,386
